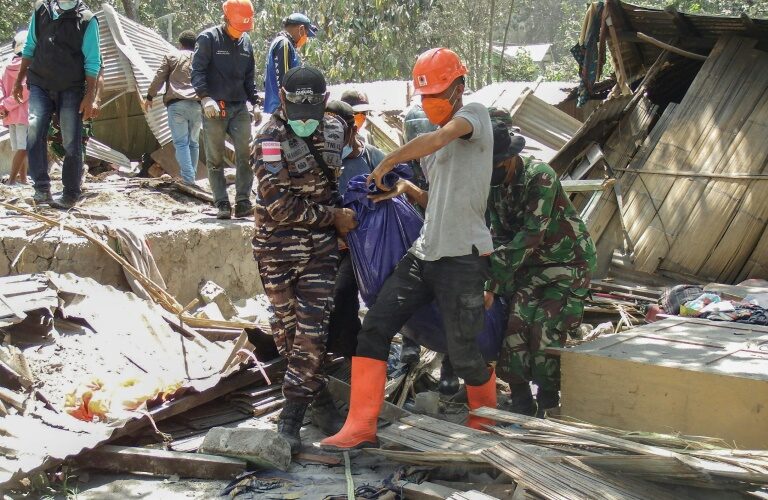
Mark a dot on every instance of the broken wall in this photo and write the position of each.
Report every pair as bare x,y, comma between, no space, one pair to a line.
185,257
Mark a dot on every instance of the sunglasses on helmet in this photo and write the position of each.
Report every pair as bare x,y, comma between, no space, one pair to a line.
304,98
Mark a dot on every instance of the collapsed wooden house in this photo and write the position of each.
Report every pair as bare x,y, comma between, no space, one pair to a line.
687,148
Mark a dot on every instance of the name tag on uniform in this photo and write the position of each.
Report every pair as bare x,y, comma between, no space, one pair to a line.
271,151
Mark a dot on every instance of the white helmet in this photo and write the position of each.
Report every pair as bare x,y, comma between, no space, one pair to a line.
19,41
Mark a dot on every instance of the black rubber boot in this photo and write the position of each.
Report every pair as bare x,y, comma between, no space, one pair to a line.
225,210
324,414
521,399
449,382
546,400
289,423
411,352
243,209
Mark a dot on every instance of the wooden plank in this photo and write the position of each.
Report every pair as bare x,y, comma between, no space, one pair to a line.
585,186
425,490
161,462
652,398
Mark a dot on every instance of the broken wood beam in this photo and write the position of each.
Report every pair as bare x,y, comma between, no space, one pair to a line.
12,398
161,462
193,191
425,490
671,48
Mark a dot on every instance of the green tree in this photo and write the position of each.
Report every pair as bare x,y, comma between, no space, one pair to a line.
15,16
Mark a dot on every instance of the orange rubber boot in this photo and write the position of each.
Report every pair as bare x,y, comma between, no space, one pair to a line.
479,396
359,431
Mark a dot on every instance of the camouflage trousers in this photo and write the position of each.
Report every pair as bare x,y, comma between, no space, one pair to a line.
547,305
301,295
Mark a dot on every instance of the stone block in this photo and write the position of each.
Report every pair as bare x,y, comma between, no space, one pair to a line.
260,447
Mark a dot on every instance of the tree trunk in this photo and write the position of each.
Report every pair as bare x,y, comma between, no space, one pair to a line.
491,19
131,8
504,43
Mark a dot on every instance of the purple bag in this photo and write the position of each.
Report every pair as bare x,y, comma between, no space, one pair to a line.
385,231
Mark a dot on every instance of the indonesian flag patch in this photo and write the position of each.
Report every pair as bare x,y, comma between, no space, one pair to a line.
271,151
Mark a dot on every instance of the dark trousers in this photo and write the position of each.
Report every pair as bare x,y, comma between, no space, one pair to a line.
456,284
66,104
345,323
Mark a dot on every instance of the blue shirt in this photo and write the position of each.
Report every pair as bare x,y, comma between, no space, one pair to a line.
362,165
91,44
281,57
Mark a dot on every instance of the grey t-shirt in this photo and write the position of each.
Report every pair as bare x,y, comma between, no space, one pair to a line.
459,183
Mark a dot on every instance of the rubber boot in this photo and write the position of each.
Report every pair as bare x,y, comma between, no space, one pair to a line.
289,423
367,396
324,413
449,382
546,400
479,396
521,399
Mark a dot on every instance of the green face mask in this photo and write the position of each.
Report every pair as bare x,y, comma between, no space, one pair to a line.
304,128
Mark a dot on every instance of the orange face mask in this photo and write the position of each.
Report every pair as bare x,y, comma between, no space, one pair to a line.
438,109
234,33
301,41
359,120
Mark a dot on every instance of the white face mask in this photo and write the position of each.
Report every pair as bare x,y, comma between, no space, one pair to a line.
69,5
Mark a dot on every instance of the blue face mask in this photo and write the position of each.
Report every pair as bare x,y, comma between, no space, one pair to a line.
304,128
346,152
67,5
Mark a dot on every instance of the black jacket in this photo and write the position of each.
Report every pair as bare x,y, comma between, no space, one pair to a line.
223,68
59,62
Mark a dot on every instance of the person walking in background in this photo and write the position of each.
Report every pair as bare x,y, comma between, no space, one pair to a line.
15,114
283,55
223,77
185,117
61,62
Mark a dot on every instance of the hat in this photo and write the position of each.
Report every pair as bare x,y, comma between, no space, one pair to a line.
505,144
343,111
357,100
304,80
299,18
19,41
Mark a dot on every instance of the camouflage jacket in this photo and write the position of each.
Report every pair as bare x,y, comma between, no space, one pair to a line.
294,197
534,225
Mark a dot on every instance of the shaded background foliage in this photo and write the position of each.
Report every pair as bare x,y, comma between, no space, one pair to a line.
367,40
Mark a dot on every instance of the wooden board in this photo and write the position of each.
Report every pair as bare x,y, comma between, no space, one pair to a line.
162,462
678,375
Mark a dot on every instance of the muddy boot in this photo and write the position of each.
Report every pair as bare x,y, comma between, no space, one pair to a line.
224,210
324,414
449,382
521,400
411,352
42,196
289,423
546,400
243,209
64,202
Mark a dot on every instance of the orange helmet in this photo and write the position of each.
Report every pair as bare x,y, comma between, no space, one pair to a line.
435,70
239,13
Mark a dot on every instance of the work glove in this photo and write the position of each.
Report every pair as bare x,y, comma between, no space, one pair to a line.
210,108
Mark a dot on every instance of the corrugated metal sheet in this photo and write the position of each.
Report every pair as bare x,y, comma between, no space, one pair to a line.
384,96
139,51
539,52
504,95
100,151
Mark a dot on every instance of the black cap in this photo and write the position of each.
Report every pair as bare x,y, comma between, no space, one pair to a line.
304,80
505,143
357,100
343,111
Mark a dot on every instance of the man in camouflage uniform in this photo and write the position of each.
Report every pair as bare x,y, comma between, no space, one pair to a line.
542,263
297,158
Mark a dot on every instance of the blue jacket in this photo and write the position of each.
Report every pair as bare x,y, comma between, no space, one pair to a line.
281,57
222,68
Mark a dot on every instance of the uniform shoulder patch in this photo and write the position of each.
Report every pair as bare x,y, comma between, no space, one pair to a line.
271,151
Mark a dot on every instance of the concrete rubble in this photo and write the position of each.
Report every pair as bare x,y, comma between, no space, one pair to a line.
258,447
